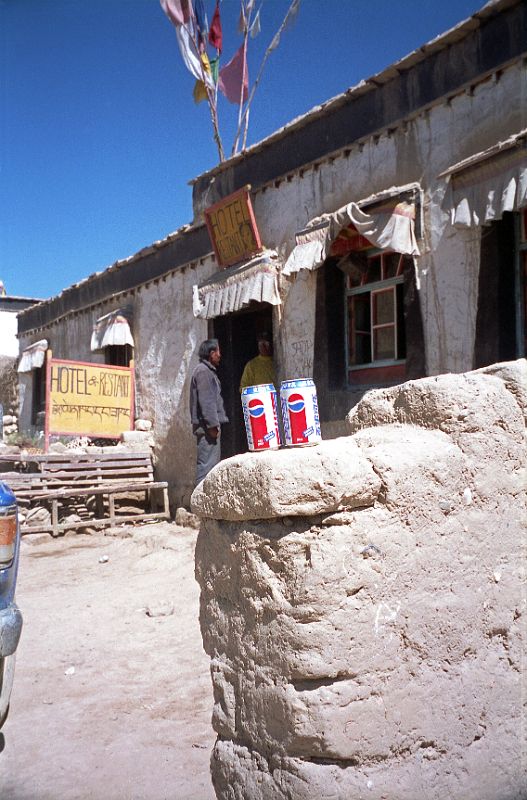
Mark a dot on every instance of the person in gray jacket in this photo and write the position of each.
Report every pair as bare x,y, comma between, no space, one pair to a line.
206,408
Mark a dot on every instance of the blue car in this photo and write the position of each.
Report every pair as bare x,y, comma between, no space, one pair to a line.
10,616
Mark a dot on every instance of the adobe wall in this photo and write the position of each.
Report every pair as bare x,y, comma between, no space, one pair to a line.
417,149
363,602
167,337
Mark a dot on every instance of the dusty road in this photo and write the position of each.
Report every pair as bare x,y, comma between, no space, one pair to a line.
109,703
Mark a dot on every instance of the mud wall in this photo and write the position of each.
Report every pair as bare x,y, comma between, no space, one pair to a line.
363,602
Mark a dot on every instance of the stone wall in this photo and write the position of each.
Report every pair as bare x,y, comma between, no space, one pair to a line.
8,391
363,602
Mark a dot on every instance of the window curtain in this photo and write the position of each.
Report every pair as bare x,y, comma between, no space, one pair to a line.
33,357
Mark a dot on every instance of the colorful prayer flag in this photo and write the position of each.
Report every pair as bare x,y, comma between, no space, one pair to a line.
214,68
215,32
178,11
232,75
202,23
255,27
191,58
200,92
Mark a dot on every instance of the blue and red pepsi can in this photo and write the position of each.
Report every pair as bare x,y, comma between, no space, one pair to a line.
259,406
300,412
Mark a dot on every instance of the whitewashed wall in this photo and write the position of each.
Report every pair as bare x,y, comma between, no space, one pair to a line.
168,337
8,330
416,150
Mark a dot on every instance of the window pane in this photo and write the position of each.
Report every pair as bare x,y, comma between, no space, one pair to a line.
391,262
361,312
383,307
354,273
374,269
359,326
401,327
383,343
362,353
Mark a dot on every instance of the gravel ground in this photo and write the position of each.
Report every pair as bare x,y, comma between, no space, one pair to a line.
112,697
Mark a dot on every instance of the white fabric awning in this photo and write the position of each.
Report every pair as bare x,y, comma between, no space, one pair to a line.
112,328
231,289
33,357
388,226
489,183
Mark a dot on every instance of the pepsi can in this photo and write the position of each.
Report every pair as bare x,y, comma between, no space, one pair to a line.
259,406
300,412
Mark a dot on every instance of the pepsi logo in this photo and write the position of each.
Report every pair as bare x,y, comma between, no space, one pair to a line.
256,407
295,403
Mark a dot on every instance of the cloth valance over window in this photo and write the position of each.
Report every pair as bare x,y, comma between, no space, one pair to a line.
33,357
389,225
112,329
489,183
231,289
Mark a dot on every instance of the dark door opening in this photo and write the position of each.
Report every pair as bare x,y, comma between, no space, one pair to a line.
237,337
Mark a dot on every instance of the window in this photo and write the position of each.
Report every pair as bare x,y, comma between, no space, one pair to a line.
118,355
375,312
38,396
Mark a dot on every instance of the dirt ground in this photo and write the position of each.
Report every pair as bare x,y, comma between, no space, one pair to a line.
109,703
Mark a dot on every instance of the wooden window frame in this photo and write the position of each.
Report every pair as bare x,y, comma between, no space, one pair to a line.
370,370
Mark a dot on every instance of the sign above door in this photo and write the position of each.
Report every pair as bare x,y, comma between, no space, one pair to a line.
232,228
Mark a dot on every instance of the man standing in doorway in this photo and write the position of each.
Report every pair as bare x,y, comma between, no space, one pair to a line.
261,368
206,408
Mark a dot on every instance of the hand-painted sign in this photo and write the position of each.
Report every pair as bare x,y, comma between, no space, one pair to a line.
232,228
88,399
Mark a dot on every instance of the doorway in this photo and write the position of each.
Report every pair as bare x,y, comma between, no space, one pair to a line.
237,337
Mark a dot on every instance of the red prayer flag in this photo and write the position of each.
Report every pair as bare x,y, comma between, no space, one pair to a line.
215,32
232,75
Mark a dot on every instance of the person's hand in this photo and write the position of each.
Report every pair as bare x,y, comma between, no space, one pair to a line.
213,432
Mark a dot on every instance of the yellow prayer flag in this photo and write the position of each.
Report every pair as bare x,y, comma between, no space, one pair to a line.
200,92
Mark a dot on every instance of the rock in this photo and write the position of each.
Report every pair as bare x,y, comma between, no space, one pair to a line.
143,425
361,602
58,447
8,419
296,482
137,437
162,609
9,450
186,519
37,517
72,519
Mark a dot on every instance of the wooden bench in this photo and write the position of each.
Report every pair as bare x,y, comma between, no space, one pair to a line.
58,479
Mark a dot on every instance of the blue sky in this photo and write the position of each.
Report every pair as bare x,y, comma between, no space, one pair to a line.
99,134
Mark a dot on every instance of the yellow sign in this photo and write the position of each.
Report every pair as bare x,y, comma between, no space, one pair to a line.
232,228
89,399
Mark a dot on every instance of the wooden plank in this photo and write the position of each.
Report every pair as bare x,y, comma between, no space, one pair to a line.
112,475
55,517
94,523
51,458
79,465
83,491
